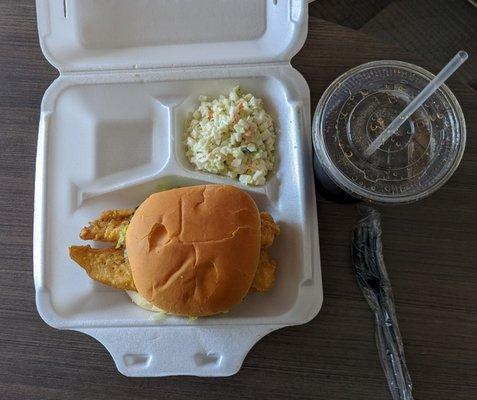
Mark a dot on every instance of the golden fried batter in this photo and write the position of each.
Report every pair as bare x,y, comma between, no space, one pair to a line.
108,226
107,266
265,275
110,267
268,230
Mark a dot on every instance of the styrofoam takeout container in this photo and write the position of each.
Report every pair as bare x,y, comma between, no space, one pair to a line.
111,130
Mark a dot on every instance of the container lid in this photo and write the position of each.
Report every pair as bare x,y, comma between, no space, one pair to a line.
415,161
85,35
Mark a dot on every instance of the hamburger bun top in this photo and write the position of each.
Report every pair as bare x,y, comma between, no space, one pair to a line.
194,250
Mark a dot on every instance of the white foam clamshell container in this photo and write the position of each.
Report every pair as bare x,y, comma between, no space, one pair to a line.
111,129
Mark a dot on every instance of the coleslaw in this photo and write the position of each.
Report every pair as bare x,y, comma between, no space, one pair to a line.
232,136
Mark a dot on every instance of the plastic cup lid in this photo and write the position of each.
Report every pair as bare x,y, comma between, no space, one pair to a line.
415,161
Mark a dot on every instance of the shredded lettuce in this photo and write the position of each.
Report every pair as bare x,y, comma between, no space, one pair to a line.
122,234
161,187
157,316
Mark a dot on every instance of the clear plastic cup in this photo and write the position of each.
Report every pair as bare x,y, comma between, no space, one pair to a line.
413,163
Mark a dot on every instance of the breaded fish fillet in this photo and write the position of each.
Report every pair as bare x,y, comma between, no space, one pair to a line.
107,266
108,226
268,230
265,275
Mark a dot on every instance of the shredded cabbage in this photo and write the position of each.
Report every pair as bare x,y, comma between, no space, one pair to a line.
232,136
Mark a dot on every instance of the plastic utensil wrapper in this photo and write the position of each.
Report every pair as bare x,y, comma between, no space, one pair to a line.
370,271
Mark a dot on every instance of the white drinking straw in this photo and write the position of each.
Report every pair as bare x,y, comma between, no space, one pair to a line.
418,101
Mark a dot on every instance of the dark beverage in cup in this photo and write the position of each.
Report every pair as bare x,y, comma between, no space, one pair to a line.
414,162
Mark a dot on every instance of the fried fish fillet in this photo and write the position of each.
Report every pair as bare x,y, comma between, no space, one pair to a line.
107,266
108,226
265,275
268,230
